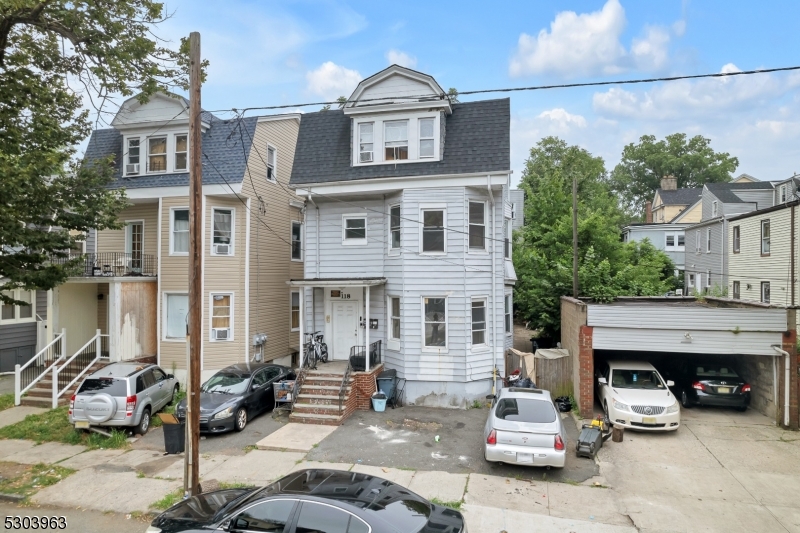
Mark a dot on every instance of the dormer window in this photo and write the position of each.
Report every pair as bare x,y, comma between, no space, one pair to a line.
181,151
157,154
365,153
396,140
426,138
133,157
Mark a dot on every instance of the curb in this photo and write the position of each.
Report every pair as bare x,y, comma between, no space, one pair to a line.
13,498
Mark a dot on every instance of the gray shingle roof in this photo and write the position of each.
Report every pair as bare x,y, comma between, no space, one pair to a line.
680,196
726,192
226,155
477,139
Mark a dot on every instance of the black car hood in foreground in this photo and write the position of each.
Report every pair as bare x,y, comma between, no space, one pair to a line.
198,511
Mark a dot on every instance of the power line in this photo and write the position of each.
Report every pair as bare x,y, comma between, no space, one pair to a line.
442,96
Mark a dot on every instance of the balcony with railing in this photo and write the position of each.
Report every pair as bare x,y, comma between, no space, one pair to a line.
110,264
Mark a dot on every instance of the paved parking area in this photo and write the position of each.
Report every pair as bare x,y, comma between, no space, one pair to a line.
405,438
721,471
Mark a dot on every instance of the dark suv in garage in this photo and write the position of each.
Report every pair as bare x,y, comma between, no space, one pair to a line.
713,383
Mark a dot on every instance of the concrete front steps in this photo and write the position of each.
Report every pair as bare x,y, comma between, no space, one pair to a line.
41,395
318,399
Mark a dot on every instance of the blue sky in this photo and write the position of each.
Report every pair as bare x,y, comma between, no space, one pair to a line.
270,53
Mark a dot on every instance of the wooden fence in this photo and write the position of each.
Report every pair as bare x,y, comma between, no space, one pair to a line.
552,374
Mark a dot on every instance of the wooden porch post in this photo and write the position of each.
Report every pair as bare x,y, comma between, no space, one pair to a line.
302,323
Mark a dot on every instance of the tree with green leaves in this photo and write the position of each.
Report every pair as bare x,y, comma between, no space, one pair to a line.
543,255
58,57
692,161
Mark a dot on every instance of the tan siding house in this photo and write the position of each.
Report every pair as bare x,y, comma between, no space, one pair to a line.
139,274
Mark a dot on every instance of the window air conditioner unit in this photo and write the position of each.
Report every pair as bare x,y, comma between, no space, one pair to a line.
366,157
221,334
222,249
678,292
132,169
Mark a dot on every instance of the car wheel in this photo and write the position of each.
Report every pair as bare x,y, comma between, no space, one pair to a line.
742,409
241,419
685,402
607,415
144,423
175,392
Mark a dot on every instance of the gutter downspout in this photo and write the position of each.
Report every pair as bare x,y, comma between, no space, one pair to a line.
494,289
786,384
793,279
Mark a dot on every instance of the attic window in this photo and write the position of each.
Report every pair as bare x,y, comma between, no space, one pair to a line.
396,140
181,150
365,150
426,137
133,157
157,154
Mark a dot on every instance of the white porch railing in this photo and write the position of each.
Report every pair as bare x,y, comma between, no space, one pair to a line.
29,374
68,373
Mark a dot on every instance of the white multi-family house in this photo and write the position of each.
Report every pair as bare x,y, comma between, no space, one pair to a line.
408,222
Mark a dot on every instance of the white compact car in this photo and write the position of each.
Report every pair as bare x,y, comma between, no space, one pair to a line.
634,395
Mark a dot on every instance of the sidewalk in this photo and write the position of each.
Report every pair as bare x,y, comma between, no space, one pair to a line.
131,481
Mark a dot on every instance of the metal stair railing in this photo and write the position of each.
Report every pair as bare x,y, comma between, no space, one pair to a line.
343,386
76,366
29,374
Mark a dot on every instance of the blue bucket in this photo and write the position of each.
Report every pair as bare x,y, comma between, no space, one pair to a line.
379,405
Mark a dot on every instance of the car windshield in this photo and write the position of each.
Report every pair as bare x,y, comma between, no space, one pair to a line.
110,386
525,410
636,379
226,384
715,371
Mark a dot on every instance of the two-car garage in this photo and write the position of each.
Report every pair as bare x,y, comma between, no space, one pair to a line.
674,332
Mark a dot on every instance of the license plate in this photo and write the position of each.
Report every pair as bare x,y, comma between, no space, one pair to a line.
80,424
724,390
524,457
649,420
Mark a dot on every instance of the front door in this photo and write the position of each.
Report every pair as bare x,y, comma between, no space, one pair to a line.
135,245
698,288
345,328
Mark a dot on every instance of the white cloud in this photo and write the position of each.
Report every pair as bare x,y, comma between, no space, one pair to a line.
396,57
330,80
706,97
588,44
562,119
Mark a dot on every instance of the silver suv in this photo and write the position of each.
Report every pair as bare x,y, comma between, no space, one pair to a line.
122,395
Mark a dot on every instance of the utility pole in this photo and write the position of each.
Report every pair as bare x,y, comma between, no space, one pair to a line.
574,235
192,454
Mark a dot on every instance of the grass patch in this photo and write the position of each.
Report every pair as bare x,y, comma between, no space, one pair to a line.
169,500
250,447
452,505
6,401
54,426
27,480
170,409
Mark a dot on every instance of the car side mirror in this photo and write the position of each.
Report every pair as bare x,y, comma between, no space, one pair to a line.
670,383
491,397
170,376
602,381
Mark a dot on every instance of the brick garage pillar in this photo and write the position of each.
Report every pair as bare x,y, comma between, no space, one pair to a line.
586,372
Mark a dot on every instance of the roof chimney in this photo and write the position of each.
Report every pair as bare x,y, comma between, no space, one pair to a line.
648,212
669,183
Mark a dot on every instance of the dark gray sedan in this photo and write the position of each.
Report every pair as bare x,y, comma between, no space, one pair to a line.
236,394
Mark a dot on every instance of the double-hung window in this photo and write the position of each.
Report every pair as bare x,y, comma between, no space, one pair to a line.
508,311
395,140
133,157
681,240
297,241
221,317
478,321
177,310
737,239
18,313
295,305
272,161
181,151
157,154
354,229
737,290
765,237
426,141
714,208
180,231
697,241
507,240
366,152
708,278
765,292
477,226
782,194
433,238
394,318
394,227
222,232
435,314
670,241
708,240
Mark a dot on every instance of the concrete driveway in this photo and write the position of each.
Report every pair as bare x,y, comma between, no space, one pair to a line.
405,438
721,471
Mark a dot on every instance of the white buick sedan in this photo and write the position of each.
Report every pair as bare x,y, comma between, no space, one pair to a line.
634,395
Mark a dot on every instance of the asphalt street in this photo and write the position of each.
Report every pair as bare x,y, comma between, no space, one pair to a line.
77,521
